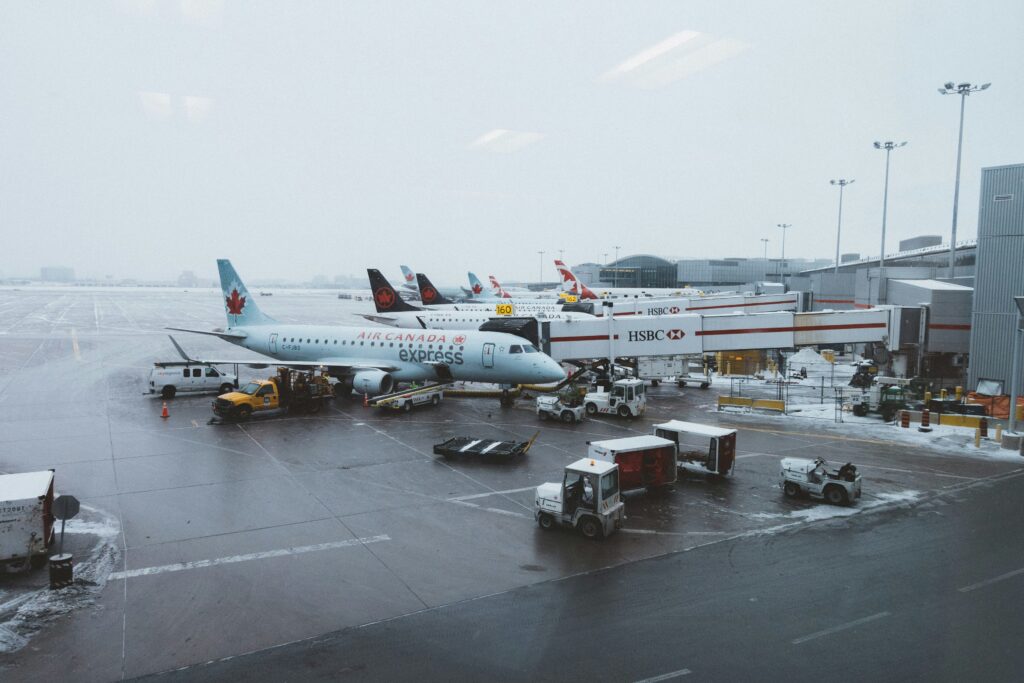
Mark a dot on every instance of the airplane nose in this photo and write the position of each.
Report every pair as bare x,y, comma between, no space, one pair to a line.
553,372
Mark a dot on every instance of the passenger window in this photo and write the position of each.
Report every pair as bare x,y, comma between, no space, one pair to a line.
515,348
197,372
210,372
618,392
184,373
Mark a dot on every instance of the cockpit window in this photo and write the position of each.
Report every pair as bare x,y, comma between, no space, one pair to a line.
515,348
530,348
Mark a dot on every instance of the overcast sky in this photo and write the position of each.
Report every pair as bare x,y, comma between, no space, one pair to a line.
140,138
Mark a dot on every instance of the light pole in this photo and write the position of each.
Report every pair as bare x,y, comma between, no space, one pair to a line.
615,276
1014,387
963,90
842,183
784,227
764,242
541,266
561,255
888,146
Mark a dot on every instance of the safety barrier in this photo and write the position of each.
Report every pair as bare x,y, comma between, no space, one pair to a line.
951,420
769,404
735,402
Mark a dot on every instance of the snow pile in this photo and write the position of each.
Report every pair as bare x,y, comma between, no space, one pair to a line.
818,367
24,614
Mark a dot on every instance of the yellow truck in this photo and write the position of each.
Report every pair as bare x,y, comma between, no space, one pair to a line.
290,391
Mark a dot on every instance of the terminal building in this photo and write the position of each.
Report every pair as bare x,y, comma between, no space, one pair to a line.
967,317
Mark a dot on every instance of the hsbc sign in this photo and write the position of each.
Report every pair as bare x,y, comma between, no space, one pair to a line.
654,335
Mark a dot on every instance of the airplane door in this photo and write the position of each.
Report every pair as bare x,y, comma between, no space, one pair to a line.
488,355
273,343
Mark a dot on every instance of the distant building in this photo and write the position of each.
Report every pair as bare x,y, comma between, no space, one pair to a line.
188,279
920,242
57,274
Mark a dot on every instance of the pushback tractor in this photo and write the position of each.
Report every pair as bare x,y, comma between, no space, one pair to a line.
586,499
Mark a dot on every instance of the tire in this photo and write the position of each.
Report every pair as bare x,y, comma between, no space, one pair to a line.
591,409
704,385
654,382
435,400
169,391
859,410
567,416
791,489
888,414
836,495
590,527
407,406
546,521
543,416
226,388
313,408
244,413
624,411
38,561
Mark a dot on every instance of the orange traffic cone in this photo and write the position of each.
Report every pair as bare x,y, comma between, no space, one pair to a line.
164,413
366,400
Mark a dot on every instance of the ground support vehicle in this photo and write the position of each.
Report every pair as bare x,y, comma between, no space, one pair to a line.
289,391
812,478
644,461
484,448
553,408
625,398
414,396
26,519
587,499
885,396
168,379
720,456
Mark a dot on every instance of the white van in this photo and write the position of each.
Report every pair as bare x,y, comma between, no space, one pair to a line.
167,379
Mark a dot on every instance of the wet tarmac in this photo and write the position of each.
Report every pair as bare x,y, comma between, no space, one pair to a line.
226,539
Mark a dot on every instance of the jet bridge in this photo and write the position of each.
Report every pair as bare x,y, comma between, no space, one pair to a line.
678,335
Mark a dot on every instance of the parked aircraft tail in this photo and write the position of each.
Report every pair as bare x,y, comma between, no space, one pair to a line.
475,285
497,289
385,298
428,292
571,283
239,305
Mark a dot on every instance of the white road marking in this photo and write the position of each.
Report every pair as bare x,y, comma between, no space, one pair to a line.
474,496
283,552
74,344
665,677
989,582
653,532
841,627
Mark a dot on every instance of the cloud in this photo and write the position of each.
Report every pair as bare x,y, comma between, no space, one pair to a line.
674,58
503,141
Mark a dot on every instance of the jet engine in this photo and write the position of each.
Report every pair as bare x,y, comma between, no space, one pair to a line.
372,382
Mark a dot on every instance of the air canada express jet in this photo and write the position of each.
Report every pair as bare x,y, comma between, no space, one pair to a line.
372,359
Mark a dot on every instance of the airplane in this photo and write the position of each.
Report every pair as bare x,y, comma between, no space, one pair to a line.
410,280
392,310
620,292
371,360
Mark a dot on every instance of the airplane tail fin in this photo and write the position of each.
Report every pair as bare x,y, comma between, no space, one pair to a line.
428,292
385,298
475,285
497,289
239,305
571,284
410,277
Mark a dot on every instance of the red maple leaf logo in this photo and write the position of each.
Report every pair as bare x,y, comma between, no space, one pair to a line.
384,297
235,303
429,294
459,339
477,289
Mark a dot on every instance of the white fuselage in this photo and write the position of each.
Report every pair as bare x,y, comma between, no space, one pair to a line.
518,307
460,320
414,355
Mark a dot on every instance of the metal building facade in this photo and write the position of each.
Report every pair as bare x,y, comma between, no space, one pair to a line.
1000,274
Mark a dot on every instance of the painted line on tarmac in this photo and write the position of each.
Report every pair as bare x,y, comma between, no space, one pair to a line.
666,677
841,627
283,552
989,582
474,496
507,513
654,532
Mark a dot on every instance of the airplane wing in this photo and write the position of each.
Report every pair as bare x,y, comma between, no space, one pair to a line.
223,335
347,364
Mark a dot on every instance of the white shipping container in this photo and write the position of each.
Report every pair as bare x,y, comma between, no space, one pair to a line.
26,517
661,367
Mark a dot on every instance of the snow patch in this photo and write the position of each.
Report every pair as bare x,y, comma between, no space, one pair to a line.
21,616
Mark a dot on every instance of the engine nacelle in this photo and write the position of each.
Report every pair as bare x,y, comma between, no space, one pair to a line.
372,382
